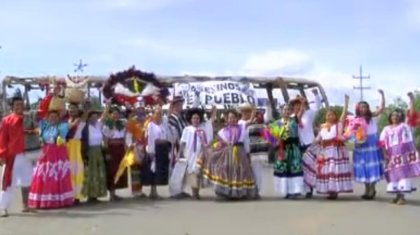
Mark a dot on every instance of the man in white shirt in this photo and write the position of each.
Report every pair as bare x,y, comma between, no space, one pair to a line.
306,126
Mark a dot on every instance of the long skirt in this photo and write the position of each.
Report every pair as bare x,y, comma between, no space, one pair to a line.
333,175
155,167
309,165
229,173
367,161
51,181
135,174
116,150
94,185
403,165
74,149
288,173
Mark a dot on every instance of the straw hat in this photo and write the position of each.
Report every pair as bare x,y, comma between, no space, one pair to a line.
245,107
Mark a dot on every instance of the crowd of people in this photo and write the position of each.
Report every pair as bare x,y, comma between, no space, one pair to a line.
88,154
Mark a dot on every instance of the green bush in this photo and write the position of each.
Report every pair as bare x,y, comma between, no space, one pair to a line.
320,117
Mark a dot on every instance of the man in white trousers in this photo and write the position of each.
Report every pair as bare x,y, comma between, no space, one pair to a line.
17,167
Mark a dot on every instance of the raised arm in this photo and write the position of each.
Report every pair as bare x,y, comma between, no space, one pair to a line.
105,114
343,115
268,115
302,108
345,108
213,116
381,105
318,100
411,108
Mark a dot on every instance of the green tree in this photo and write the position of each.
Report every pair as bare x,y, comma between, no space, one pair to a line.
320,117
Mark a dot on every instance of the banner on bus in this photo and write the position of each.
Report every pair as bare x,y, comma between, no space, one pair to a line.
226,93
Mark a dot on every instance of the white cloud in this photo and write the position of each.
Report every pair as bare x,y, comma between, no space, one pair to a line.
278,62
296,63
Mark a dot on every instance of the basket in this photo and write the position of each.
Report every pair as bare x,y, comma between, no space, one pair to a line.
57,103
74,95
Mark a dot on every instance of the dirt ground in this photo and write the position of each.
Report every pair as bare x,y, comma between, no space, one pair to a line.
270,215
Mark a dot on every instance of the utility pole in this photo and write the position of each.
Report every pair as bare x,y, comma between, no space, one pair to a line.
361,78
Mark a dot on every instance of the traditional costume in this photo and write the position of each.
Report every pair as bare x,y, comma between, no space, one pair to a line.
196,141
74,149
288,173
94,185
258,146
135,140
115,131
403,161
176,123
328,169
228,167
17,171
367,156
51,185
155,167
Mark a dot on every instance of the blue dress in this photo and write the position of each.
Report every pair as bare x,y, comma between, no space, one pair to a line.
367,157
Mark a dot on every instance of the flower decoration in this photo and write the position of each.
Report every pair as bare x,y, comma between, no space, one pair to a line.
126,86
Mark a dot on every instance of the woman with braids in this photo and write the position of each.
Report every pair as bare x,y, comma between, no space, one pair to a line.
228,167
194,142
288,174
94,185
402,162
114,131
367,156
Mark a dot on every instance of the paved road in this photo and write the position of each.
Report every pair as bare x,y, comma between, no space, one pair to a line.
271,215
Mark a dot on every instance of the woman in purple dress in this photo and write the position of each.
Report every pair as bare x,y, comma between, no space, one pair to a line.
402,162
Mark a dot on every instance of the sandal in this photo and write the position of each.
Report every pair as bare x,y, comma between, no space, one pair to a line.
401,201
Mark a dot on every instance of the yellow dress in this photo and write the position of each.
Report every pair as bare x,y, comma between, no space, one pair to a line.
74,149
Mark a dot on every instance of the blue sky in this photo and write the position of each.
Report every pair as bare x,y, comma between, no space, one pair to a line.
325,40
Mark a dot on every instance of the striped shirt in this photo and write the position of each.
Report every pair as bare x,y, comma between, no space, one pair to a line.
177,123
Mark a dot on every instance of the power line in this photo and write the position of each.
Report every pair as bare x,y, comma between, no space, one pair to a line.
361,78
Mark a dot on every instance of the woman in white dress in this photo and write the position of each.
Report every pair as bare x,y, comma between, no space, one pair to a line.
332,172
195,140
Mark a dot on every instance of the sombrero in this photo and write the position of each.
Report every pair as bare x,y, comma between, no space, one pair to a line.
245,107
295,100
177,99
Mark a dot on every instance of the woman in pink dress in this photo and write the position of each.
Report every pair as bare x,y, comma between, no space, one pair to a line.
51,183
